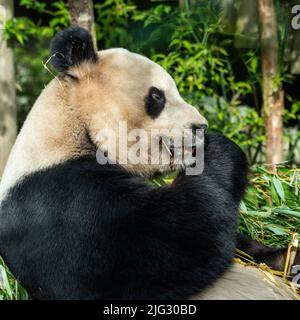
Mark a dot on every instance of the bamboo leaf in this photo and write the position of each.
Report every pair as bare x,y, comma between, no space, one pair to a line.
243,207
277,230
279,188
263,214
274,195
6,284
287,212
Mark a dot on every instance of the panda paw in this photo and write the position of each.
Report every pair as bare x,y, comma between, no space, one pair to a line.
221,148
226,161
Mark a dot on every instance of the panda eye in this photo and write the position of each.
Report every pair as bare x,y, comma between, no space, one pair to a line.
157,96
155,102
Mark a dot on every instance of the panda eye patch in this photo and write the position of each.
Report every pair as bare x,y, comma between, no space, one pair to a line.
155,102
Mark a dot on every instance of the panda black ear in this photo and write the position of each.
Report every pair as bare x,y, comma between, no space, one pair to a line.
71,47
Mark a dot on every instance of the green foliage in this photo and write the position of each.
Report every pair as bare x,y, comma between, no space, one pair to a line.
10,289
270,211
113,19
22,28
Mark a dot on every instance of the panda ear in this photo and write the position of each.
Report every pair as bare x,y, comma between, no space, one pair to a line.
71,47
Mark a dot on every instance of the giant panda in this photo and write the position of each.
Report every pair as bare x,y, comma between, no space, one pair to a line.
71,228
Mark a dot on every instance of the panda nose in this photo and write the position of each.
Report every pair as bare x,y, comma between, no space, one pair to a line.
199,127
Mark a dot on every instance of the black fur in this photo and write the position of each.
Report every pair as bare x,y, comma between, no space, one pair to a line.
71,47
155,102
273,257
84,231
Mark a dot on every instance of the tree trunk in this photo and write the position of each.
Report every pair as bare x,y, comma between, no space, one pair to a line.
273,95
8,117
82,14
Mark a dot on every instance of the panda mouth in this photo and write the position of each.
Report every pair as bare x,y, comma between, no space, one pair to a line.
178,153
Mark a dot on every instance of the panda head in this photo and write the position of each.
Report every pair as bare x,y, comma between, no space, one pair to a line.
116,89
